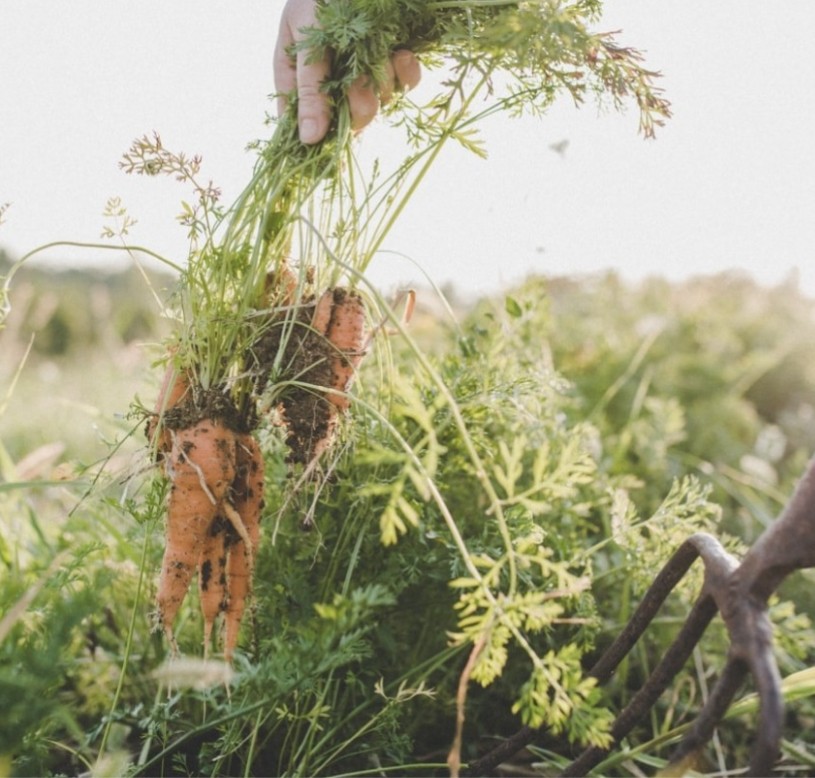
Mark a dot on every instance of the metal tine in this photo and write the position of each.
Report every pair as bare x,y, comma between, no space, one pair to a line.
714,709
750,631
665,582
787,545
673,660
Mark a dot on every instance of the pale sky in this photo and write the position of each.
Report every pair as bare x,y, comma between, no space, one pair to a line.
729,183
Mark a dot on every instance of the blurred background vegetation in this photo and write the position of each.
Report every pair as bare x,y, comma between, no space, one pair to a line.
85,338
691,404
727,367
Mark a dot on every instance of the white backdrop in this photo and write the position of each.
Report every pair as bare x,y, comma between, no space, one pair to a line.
730,182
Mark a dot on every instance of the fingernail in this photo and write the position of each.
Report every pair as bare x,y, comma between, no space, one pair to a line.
309,131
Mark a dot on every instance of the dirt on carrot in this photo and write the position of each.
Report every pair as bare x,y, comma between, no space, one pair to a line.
215,470
212,584
242,545
228,552
312,356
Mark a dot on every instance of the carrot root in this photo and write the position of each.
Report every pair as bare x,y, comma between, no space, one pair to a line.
175,388
201,467
346,333
248,502
212,577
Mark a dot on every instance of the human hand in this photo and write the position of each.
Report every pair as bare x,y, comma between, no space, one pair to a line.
313,108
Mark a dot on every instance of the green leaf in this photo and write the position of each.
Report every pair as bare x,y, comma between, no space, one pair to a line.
513,307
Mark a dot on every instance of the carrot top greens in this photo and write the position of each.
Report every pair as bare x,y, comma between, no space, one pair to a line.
544,46
314,208
314,217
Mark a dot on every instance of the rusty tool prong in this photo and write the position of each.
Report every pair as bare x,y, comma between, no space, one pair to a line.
718,565
750,630
741,596
667,578
748,651
740,592
788,544
764,670
765,749
672,662
665,582
710,716
751,647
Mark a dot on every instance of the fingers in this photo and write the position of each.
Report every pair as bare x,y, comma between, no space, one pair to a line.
389,85
285,73
407,70
313,110
306,77
402,72
363,103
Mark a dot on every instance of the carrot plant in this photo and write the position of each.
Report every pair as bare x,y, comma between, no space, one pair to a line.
252,292
255,280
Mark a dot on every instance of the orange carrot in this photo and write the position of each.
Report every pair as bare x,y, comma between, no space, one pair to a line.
346,333
175,388
201,468
321,317
248,505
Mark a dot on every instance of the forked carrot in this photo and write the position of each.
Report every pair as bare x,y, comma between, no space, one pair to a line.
216,474
201,467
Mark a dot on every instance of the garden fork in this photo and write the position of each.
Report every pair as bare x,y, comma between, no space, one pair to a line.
739,591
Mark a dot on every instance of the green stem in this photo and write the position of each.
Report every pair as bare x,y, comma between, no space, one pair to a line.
84,245
252,745
434,153
127,649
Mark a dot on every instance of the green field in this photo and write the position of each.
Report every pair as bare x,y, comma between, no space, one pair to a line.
612,421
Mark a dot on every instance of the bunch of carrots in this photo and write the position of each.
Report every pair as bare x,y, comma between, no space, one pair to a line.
251,333
215,465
